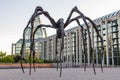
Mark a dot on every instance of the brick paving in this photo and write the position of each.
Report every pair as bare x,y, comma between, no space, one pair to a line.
67,74
17,65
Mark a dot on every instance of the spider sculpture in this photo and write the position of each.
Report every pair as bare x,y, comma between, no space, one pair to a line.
60,26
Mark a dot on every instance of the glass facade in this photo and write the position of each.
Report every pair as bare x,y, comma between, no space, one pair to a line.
115,42
38,35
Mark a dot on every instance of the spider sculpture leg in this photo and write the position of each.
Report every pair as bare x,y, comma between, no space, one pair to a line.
85,52
69,20
84,48
31,37
23,47
61,49
102,48
32,48
56,41
38,9
31,42
90,46
95,27
21,58
61,44
23,44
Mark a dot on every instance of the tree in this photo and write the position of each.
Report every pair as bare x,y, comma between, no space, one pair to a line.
2,54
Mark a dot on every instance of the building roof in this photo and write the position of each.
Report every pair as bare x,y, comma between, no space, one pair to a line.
107,16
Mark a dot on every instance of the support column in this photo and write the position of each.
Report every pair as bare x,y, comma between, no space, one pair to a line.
88,53
107,50
67,60
77,48
112,53
70,49
80,47
47,50
101,25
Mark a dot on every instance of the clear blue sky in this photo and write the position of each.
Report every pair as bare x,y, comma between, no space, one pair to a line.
14,14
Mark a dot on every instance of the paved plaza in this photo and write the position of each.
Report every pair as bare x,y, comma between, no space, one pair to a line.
67,74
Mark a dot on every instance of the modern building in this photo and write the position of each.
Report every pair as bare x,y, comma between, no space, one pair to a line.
109,29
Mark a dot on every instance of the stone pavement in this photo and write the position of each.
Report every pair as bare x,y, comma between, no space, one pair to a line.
67,74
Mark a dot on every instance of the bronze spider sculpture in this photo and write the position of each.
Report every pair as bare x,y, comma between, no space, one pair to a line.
60,26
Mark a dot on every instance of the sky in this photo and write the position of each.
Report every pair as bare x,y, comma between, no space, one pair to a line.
14,15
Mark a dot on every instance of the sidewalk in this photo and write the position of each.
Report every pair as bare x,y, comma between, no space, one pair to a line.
67,74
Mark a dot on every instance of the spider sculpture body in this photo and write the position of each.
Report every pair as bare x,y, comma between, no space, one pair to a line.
60,26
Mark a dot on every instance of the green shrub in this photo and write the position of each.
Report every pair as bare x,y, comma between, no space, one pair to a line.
39,61
8,59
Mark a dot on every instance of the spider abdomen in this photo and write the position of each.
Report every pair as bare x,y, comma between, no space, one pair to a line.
59,34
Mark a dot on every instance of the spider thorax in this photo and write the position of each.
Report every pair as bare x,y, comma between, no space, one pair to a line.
60,29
